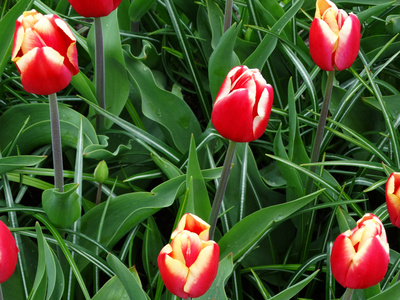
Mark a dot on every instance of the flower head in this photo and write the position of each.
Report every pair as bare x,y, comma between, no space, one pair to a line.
334,37
44,52
243,105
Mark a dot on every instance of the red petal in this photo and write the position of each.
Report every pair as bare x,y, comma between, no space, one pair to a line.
203,272
341,257
369,265
232,116
8,253
263,110
101,9
43,72
173,272
349,43
322,43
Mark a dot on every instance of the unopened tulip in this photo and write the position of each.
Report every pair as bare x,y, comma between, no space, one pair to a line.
360,257
44,52
243,105
334,37
8,253
393,198
89,9
189,265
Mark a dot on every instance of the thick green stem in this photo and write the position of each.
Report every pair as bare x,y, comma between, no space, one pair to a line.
100,71
228,14
219,194
56,143
348,294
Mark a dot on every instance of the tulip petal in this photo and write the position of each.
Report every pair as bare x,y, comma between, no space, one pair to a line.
349,43
322,44
263,110
193,224
369,265
341,257
232,116
18,39
186,247
203,272
43,71
392,198
173,272
8,253
101,9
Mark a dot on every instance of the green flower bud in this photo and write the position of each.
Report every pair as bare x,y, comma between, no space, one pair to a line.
101,172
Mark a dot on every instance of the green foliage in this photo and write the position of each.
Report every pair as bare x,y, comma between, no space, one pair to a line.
164,63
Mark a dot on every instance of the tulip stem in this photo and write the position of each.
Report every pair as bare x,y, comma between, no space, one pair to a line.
100,72
56,143
315,157
321,126
348,294
1,293
228,14
219,194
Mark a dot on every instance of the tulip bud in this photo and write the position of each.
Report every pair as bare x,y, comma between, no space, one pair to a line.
101,172
8,253
89,9
334,37
44,52
189,265
360,257
243,105
393,198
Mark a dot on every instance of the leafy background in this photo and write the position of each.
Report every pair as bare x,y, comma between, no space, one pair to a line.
165,61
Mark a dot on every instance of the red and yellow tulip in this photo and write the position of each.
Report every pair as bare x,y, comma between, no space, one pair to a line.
89,9
360,257
243,105
8,253
393,198
189,265
334,38
44,52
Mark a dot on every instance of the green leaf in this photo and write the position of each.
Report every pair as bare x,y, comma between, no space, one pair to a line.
294,289
243,235
11,163
217,289
139,8
130,282
152,244
62,208
198,201
129,209
258,58
162,106
37,131
216,20
116,79
223,59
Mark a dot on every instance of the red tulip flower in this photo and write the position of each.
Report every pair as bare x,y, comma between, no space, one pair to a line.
89,9
243,105
360,257
334,37
393,198
8,253
44,52
189,265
